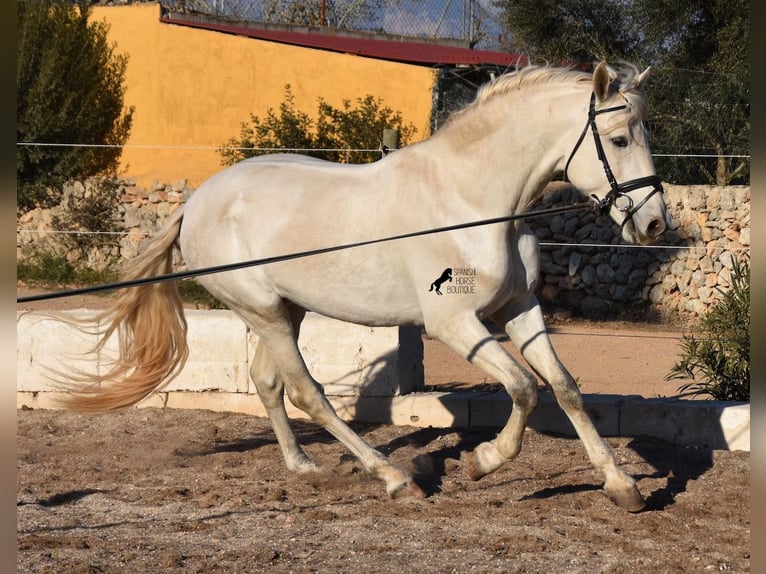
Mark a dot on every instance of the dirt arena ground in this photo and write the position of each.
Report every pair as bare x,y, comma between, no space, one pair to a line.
150,490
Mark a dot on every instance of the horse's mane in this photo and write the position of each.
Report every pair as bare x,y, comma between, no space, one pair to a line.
535,75
527,76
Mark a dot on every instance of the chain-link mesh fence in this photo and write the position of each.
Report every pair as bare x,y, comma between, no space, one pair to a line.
473,22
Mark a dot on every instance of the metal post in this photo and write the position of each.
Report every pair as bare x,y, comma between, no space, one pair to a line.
390,140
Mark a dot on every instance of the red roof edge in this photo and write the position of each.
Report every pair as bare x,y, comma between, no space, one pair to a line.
398,49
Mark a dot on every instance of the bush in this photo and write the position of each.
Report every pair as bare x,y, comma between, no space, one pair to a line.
193,292
336,135
91,211
56,273
719,360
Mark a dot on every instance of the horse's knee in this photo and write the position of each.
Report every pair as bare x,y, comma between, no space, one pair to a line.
568,395
271,394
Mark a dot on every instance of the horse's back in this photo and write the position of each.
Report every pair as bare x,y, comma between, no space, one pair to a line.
300,201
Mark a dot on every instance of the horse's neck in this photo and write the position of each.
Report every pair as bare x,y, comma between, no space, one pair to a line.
506,152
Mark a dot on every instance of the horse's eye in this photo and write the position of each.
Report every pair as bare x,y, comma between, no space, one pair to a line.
620,141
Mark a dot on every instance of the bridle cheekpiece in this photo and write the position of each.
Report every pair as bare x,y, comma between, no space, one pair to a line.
618,191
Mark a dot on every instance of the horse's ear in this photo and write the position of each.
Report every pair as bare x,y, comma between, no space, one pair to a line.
603,76
642,78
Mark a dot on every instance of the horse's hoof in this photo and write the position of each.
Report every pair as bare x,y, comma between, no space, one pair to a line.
407,489
473,471
308,466
629,500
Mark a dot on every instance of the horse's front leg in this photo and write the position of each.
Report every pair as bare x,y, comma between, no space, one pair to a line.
466,335
525,326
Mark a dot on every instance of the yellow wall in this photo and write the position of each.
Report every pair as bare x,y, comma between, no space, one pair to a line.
193,88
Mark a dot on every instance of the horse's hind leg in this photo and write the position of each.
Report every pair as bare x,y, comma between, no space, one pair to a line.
526,327
276,332
270,389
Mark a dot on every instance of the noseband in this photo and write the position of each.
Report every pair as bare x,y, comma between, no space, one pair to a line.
618,190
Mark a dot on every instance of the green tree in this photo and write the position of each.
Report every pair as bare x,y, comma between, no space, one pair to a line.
357,128
576,31
699,95
336,135
69,90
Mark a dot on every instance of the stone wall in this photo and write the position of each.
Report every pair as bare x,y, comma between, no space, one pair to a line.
710,226
140,213
600,277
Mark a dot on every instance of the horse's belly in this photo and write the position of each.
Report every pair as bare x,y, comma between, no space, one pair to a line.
349,288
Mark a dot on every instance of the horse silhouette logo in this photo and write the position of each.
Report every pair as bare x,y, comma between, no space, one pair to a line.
445,276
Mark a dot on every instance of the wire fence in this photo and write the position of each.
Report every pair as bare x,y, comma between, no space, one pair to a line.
473,22
548,244
585,265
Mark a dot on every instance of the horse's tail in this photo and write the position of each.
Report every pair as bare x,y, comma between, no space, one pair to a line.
151,327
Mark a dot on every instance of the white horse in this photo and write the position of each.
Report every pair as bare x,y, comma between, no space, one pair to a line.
491,159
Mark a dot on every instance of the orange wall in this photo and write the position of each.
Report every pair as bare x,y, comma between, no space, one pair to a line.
192,89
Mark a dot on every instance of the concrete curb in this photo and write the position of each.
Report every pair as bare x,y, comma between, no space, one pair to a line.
369,374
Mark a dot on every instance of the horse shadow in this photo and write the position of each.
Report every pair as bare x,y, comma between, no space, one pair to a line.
678,464
430,469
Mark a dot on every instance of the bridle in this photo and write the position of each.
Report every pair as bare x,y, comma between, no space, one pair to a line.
618,190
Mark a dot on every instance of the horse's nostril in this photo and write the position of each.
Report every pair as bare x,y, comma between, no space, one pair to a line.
656,228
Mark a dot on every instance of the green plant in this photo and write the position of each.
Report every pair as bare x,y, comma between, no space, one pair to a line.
192,292
45,268
335,135
718,361
54,270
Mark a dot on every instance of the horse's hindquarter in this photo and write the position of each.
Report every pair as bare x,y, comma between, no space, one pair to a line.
270,207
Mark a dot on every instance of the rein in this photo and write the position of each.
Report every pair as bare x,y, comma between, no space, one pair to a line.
618,191
279,258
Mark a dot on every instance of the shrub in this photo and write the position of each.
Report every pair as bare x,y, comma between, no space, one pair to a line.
193,292
91,211
336,135
718,361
